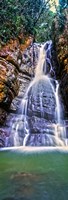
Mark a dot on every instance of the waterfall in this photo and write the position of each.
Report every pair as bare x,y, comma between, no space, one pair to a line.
39,68
41,93
58,112
16,137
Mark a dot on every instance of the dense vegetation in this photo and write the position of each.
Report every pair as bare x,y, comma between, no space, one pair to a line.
28,16
19,16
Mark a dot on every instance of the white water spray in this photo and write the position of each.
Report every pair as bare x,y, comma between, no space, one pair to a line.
58,111
16,136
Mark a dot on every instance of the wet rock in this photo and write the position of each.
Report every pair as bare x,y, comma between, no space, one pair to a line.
41,107
8,83
10,66
3,115
29,60
4,134
2,142
38,125
42,100
64,91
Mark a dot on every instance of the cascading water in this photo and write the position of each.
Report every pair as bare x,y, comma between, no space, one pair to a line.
40,107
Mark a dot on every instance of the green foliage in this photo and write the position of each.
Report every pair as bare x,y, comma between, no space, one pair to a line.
9,19
63,4
61,13
28,16
61,21
18,16
44,26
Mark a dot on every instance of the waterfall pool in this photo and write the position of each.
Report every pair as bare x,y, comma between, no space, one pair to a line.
34,173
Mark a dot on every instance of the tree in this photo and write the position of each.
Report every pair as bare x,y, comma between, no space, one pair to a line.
20,16
63,3
44,26
61,14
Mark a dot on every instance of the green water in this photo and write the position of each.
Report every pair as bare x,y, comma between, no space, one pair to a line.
37,176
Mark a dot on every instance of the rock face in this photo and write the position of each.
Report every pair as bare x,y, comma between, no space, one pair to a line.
41,113
41,103
12,65
8,79
18,64
61,47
